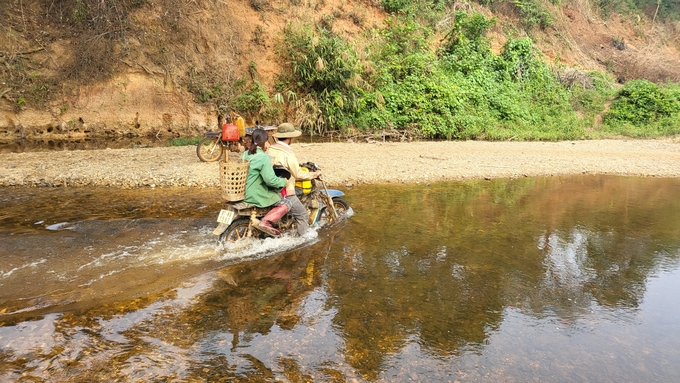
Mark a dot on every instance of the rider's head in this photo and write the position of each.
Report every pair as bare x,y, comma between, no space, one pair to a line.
286,131
260,138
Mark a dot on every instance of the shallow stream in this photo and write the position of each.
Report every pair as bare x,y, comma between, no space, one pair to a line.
535,279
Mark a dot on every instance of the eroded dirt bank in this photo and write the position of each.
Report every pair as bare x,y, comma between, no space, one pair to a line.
347,164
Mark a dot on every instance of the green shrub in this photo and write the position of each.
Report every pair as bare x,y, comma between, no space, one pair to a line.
643,102
644,109
521,62
325,67
465,47
251,100
185,141
469,93
461,91
427,12
667,9
395,5
534,13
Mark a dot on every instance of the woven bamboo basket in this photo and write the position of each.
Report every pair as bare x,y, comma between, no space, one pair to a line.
233,177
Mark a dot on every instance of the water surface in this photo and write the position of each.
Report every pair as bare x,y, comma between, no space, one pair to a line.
535,279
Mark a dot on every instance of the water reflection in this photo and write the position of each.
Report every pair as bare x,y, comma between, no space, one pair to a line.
558,279
443,264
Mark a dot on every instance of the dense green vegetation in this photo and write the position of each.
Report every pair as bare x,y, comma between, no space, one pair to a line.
662,9
395,80
645,109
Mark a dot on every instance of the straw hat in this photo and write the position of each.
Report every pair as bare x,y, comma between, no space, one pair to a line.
286,130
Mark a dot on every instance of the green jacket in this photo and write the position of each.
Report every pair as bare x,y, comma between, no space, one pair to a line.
262,185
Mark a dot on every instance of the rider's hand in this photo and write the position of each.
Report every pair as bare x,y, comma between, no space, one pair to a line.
316,174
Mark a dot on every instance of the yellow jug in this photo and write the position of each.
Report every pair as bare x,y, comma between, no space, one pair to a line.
305,185
240,123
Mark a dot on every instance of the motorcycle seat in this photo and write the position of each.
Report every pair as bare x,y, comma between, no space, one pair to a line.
242,205
245,209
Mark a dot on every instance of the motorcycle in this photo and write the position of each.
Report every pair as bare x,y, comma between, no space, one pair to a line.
211,147
213,144
238,220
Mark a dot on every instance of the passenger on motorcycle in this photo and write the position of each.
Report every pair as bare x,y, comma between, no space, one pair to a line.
262,185
282,155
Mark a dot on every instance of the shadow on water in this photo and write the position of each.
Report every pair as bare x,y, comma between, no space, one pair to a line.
545,279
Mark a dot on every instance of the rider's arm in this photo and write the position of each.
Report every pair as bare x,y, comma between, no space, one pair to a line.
294,167
268,175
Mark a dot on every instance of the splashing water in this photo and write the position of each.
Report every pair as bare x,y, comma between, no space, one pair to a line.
255,248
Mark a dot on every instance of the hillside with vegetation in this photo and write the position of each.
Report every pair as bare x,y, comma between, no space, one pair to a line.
491,69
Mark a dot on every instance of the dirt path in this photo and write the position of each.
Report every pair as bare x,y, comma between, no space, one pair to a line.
347,164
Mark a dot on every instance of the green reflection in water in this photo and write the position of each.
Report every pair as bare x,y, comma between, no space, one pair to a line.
505,280
440,263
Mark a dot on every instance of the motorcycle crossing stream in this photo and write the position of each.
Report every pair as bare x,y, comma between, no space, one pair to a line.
514,280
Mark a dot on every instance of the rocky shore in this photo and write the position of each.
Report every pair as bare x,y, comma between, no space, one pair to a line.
347,164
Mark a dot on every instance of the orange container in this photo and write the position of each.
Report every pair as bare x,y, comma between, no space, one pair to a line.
230,132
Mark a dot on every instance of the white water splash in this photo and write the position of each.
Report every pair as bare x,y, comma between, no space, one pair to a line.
57,226
5,274
249,248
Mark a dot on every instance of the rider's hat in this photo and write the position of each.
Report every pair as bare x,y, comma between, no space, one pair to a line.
286,130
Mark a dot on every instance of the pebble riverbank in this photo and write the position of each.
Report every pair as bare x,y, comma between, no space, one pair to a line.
349,164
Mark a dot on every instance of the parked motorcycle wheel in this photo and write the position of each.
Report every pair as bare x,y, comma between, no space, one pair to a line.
341,207
236,230
209,149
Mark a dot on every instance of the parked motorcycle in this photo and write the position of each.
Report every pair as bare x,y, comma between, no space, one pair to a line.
213,144
238,220
211,147
232,136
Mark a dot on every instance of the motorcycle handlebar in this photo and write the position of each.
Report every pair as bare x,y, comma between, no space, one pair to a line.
311,166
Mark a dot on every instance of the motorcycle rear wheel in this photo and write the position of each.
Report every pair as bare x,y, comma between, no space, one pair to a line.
237,230
341,207
209,149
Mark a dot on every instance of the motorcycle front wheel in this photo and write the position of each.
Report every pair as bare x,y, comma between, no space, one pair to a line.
209,149
341,207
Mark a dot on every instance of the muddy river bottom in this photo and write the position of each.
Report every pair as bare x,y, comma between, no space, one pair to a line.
534,279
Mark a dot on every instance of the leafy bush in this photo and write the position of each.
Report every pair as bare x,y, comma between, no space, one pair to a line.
251,100
466,91
643,102
644,109
461,91
534,13
667,9
326,68
465,48
395,5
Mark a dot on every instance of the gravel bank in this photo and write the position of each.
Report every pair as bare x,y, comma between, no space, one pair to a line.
347,164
